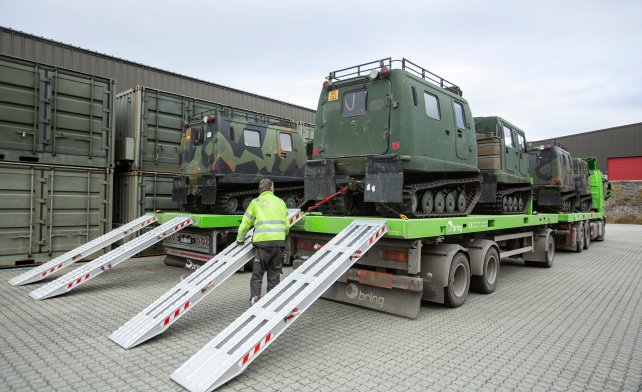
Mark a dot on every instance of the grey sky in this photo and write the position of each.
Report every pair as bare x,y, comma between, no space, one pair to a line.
551,67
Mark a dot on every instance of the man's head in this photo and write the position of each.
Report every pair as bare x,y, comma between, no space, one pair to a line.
266,185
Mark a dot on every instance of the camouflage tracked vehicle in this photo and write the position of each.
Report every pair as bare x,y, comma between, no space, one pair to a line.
502,158
394,140
582,186
551,168
225,152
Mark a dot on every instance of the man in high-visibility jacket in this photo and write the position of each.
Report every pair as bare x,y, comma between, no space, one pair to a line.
269,216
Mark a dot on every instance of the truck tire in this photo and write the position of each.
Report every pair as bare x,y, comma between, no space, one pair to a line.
579,238
458,281
587,234
602,231
549,256
487,283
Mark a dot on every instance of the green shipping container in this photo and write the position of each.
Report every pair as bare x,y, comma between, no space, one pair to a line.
149,123
48,210
55,116
136,193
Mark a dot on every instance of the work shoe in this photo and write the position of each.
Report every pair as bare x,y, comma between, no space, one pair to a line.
254,300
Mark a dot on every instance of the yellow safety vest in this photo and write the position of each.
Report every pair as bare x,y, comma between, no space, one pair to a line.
269,216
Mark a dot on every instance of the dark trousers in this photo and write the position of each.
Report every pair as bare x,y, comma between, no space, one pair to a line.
268,260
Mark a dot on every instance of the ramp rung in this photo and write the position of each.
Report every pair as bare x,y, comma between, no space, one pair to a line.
161,314
229,353
107,261
76,254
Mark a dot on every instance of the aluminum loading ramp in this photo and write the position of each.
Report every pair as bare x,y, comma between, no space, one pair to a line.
76,254
160,315
228,354
107,261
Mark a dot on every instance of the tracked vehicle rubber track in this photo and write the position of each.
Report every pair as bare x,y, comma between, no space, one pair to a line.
509,202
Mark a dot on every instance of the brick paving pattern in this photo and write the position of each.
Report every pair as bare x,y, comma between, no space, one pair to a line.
573,327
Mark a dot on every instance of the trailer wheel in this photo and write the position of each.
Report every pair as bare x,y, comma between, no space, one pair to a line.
458,281
587,234
487,283
601,231
579,238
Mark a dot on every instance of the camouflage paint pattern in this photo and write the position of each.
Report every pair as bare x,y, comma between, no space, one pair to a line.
551,167
581,172
241,151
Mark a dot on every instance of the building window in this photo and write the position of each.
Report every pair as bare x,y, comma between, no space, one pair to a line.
354,103
432,106
508,136
460,119
285,140
252,138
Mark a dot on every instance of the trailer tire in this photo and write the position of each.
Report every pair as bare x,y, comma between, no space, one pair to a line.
579,237
587,234
458,281
601,231
487,283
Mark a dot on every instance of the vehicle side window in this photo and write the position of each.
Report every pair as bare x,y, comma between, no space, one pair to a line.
460,118
285,140
508,136
413,90
355,103
252,138
522,142
432,106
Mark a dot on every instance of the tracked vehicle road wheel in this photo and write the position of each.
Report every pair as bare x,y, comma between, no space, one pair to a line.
461,202
414,203
440,202
451,202
458,281
246,202
520,203
427,202
290,202
231,205
505,206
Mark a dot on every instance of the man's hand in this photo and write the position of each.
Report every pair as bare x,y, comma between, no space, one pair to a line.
240,242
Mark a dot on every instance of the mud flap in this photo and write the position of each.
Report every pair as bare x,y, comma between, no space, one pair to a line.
179,190
394,301
208,189
319,178
384,180
489,188
549,197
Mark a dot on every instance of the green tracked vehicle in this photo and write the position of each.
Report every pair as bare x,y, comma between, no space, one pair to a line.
226,151
582,185
502,158
393,138
551,168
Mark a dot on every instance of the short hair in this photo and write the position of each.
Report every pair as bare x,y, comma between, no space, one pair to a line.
265,185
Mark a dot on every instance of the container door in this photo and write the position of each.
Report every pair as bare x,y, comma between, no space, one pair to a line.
75,209
19,236
357,119
19,102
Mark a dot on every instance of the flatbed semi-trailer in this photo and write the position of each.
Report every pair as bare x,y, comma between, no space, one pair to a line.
439,259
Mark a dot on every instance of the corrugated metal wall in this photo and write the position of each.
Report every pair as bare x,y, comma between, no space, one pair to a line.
623,141
129,74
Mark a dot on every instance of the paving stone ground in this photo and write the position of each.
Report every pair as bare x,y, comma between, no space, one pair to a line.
574,327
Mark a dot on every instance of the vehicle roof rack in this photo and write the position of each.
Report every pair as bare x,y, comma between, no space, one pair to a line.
405,64
230,111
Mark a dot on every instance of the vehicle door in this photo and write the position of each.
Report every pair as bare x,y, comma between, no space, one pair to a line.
510,150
